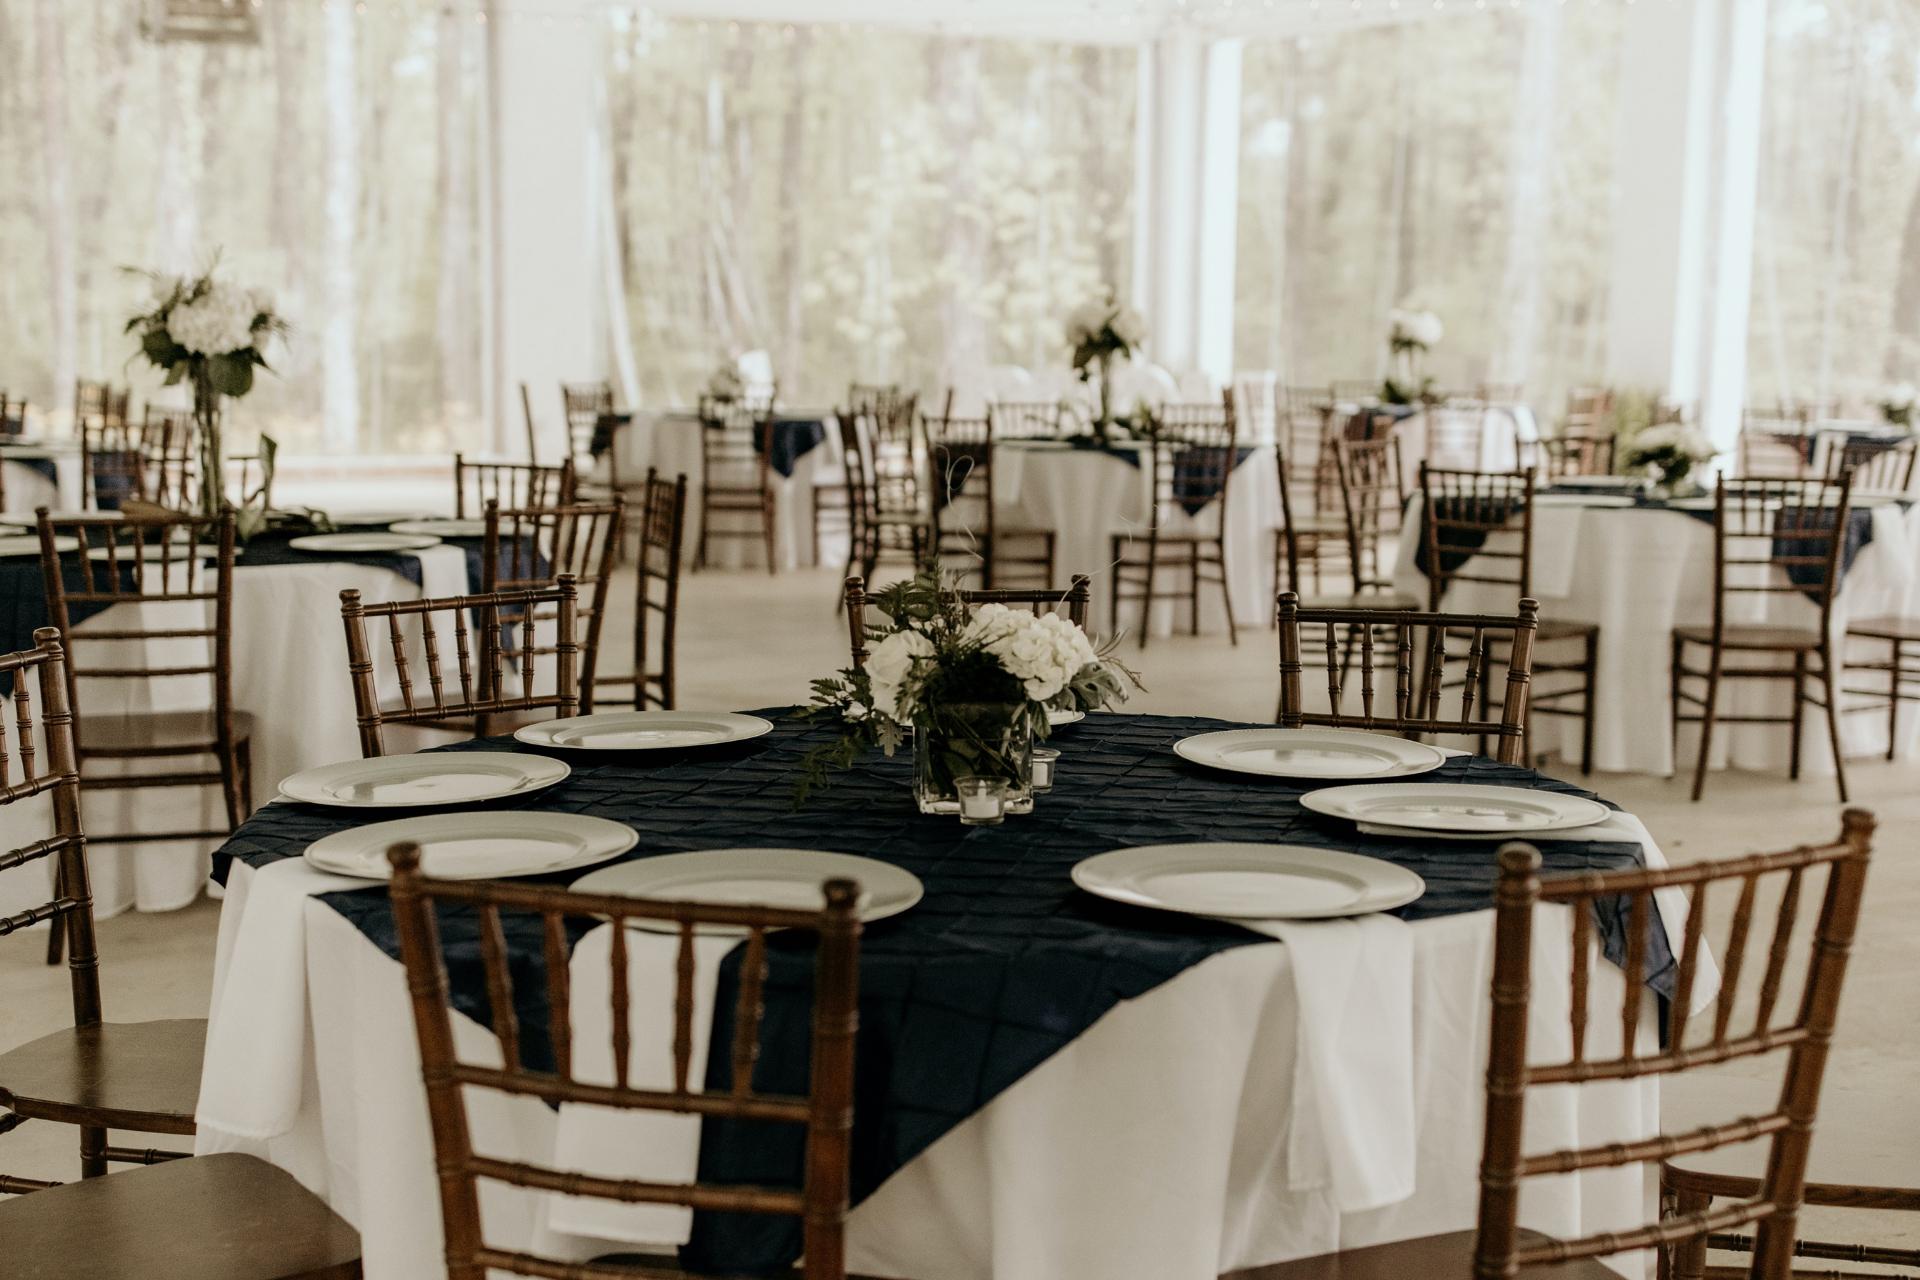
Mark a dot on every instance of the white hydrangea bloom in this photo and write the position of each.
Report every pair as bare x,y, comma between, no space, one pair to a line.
1901,395
1131,326
217,322
889,668
1042,651
1427,329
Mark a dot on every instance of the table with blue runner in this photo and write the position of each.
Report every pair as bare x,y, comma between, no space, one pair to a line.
1195,481
1458,545
34,461
999,967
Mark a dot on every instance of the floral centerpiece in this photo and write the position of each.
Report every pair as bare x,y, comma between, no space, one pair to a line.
1668,453
212,335
1097,332
974,684
1410,335
726,385
1896,404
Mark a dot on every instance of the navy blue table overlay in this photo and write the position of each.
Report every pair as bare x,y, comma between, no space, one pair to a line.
999,967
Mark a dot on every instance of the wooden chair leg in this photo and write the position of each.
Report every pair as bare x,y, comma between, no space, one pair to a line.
1799,706
1146,593
1226,598
1707,714
1690,1257
1673,695
57,927
93,1152
1893,697
1590,674
1827,679
766,531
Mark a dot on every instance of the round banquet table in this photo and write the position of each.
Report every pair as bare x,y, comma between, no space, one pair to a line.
41,475
1477,438
1640,571
670,443
289,673
1022,1044
1087,496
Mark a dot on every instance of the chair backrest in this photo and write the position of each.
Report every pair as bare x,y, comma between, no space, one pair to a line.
176,575
1075,600
1256,402
890,407
51,765
663,518
527,549
734,435
960,468
1779,448
416,627
1193,456
1568,454
1877,466
13,415
99,402
170,453
112,466
1477,526
584,405
1778,538
533,431
545,918
1803,1034
514,485
1422,644
1028,419
1368,474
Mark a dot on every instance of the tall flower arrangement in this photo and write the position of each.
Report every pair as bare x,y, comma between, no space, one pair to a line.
974,685
1410,335
1098,331
212,335
1896,404
1668,453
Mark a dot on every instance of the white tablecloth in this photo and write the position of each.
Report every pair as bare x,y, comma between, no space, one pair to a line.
29,489
1639,573
1154,1147
1489,438
670,443
289,671
1087,496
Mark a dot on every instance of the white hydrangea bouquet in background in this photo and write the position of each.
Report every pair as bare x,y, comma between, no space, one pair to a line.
1896,404
1099,331
1411,333
1668,453
974,685
212,335
726,385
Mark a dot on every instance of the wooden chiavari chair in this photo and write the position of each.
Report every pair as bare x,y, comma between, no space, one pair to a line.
1191,455
965,523
99,403
1499,1247
513,485
13,415
174,578
1774,447
1259,404
1029,420
1418,647
480,671
656,601
889,524
1877,466
891,409
1771,539
736,475
1478,529
170,454
1564,455
1372,504
532,549
825,1112
585,406
141,1076
1076,601
1302,531
112,464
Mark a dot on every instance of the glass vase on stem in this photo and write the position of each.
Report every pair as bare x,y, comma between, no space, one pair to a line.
212,454
979,740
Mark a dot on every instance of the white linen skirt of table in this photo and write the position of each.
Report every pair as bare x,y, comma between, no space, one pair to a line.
28,489
1641,572
670,443
1499,434
289,671
1152,1147
1087,497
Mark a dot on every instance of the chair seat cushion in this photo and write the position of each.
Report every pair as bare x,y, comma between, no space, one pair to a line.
1775,639
137,732
1886,628
1447,1257
128,1075
225,1217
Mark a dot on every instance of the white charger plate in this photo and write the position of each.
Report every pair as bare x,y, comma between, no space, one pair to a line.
1249,881
441,528
644,730
789,878
476,846
1594,499
1309,752
428,780
1440,806
357,542
28,544
380,517
1061,719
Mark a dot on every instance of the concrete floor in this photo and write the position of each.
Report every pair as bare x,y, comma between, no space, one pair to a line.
750,640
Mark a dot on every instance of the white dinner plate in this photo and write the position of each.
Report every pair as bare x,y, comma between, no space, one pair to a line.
28,544
476,846
442,528
1061,719
363,542
789,878
370,518
1310,753
1440,806
429,780
1249,881
644,730
1596,499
